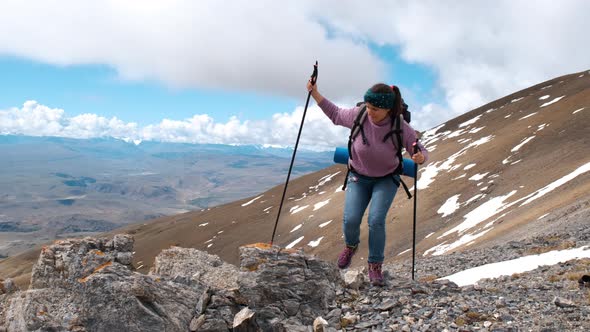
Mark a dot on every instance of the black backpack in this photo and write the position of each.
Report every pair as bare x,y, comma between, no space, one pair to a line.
357,128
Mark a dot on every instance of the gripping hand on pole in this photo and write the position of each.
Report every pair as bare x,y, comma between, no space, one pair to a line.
314,75
417,157
312,87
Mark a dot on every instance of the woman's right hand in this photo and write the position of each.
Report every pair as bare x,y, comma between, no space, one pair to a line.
311,87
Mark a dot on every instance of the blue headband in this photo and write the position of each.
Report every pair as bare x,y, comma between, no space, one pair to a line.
380,99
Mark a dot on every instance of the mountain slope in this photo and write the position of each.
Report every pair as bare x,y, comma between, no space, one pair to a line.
493,174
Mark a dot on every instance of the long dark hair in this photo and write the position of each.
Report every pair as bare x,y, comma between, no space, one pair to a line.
397,104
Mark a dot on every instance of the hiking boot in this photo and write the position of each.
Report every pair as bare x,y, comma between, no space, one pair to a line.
375,274
345,256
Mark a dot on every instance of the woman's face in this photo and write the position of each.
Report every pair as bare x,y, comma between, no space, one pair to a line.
377,114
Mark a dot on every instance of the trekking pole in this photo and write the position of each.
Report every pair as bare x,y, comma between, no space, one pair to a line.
416,149
314,77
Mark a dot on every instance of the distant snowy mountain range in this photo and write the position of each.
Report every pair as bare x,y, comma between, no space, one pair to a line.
54,186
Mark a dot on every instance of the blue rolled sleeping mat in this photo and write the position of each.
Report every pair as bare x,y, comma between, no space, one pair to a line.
341,157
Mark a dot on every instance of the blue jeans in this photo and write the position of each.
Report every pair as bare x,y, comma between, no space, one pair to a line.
360,190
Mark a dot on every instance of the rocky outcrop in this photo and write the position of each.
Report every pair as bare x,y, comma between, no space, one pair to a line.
89,285
286,288
274,290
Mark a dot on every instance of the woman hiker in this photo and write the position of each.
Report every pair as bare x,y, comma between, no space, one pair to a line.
372,166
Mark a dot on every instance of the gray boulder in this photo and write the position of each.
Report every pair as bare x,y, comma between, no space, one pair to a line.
78,285
286,287
190,265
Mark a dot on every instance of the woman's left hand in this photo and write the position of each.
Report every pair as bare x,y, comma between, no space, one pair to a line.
418,158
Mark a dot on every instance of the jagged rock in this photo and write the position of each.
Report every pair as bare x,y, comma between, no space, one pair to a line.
272,277
79,285
203,301
193,265
244,321
68,260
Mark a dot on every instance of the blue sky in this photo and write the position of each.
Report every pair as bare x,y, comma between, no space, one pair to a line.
97,89
178,71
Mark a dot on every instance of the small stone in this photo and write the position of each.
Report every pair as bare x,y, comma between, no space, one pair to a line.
218,301
366,325
8,286
203,301
348,319
291,307
125,258
563,303
387,305
506,318
320,325
244,320
334,313
123,242
354,279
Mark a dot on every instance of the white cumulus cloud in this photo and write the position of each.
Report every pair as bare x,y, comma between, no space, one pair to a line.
319,133
479,51
262,46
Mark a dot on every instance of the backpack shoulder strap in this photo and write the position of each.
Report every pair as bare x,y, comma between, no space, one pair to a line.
357,127
400,144
400,167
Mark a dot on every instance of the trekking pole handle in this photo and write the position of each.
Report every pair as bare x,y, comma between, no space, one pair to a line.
416,146
314,75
